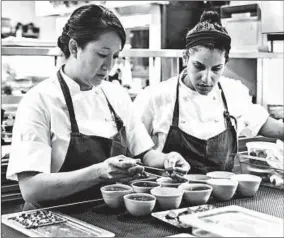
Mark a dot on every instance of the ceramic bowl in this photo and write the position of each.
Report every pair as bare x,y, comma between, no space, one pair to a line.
197,178
247,184
168,198
223,189
113,194
139,204
196,193
168,182
220,174
144,186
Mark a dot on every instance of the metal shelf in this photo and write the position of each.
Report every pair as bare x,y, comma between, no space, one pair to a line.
164,53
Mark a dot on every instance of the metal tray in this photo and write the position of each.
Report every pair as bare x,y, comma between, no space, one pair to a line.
69,227
235,221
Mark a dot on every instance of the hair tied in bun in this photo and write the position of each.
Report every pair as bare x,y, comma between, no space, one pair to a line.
211,17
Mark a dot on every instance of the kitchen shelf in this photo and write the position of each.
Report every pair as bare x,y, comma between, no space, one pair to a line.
55,51
253,9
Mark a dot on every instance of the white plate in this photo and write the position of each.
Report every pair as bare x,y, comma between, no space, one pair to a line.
259,170
235,221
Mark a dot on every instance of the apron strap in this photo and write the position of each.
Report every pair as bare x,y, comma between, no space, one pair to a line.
176,108
227,115
118,120
69,103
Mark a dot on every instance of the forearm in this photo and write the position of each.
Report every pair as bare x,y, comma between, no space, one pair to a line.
272,128
43,186
154,158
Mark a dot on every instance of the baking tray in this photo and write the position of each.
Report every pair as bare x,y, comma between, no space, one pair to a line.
66,227
174,222
235,221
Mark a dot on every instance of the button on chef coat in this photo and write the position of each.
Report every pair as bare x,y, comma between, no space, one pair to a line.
42,127
200,116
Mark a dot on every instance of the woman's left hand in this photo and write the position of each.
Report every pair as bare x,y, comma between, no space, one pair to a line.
177,162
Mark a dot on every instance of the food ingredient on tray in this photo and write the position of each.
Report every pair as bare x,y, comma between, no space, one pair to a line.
175,215
37,219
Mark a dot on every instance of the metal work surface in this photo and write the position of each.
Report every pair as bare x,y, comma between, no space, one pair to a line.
267,200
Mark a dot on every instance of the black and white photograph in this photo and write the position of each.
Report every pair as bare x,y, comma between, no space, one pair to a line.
142,118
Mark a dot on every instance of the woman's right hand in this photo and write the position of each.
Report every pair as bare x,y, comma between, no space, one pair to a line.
120,167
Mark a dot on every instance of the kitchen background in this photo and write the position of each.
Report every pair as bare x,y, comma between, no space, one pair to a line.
155,39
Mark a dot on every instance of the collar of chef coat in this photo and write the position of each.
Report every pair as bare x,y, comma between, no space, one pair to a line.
194,94
74,87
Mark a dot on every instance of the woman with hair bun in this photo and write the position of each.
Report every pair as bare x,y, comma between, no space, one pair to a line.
75,131
200,113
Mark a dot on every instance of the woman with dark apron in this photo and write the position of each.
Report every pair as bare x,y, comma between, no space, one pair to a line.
75,132
216,153
202,117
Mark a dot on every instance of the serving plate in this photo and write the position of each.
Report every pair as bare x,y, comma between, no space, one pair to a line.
235,221
175,222
63,226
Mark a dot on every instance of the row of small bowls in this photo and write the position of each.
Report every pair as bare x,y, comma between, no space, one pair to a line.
222,185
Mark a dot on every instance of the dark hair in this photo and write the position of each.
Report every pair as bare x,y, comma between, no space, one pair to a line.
209,22
86,24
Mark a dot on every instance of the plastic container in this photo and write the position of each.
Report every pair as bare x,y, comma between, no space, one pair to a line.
271,152
268,170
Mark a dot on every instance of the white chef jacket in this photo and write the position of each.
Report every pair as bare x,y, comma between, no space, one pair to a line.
200,116
41,132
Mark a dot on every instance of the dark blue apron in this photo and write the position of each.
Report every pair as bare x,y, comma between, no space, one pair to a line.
86,150
216,153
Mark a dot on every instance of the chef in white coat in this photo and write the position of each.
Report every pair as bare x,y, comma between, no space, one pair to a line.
75,131
200,113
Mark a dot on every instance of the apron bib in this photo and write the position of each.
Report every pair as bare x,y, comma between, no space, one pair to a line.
216,153
86,150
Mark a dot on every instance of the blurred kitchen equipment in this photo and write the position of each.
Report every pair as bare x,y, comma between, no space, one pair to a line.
272,16
6,27
276,111
243,25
